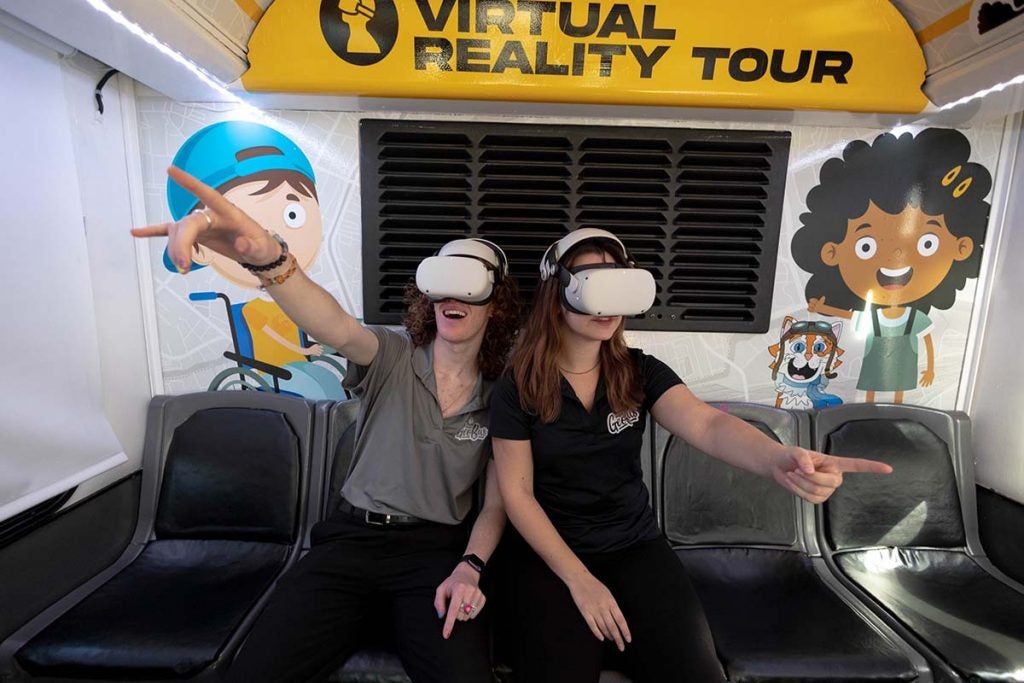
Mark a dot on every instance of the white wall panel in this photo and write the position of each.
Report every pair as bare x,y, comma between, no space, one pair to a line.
104,166
997,400
53,431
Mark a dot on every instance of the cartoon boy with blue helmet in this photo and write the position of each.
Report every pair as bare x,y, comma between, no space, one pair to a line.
264,173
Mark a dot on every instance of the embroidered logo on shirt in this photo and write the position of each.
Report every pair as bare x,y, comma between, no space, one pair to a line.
622,421
471,431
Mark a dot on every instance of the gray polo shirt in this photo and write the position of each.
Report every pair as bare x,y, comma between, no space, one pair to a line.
407,459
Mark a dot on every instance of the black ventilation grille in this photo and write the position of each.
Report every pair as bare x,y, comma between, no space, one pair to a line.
698,208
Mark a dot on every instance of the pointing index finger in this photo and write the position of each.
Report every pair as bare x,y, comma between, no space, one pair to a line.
158,230
203,192
449,622
862,465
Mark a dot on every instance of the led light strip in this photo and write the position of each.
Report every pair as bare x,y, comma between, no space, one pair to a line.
242,109
1016,80
149,38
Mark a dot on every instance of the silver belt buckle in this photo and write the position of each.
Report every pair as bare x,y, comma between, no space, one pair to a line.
366,518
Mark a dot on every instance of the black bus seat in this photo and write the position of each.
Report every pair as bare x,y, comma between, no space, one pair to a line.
340,446
334,439
775,612
221,517
909,541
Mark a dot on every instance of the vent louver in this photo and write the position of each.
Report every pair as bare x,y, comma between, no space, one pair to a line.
698,208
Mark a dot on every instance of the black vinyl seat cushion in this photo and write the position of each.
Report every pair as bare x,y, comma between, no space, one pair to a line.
375,661
231,473
708,502
901,538
975,621
774,620
167,615
371,666
916,505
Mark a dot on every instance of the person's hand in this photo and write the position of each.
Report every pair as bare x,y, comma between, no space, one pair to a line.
314,350
220,226
815,304
927,377
815,476
459,597
599,609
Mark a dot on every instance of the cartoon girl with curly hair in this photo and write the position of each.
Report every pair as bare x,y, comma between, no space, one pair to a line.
894,228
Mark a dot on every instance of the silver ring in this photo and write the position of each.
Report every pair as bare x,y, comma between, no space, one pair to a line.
206,215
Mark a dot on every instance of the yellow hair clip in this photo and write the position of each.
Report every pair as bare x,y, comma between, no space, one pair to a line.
948,179
961,188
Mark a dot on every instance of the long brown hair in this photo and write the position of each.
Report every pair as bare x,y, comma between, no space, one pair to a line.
534,362
498,337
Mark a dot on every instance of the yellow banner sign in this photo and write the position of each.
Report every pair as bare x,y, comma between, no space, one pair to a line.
850,55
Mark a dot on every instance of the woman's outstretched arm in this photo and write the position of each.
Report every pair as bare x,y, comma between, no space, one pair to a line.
809,474
226,229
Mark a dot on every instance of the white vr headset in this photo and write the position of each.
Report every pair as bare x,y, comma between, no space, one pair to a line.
466,270
606,289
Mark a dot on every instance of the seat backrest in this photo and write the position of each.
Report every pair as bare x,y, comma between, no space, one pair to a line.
918,504
341,436
707,502
233,466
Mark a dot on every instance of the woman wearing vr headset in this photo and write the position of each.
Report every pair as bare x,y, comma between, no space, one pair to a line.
399,546
567,424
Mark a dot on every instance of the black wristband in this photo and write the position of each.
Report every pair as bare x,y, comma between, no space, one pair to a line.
474,562
273,264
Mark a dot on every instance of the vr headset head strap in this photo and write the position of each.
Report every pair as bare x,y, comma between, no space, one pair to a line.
467,247
501,271
549,264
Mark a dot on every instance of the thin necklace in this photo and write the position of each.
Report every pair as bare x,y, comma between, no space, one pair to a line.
462,393
581,372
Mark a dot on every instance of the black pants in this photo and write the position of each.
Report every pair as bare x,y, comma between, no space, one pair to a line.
671,639
317,615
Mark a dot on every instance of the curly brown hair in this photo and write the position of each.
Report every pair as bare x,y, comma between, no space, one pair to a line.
501,327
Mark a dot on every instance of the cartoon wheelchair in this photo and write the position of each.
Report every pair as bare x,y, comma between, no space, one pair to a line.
307,380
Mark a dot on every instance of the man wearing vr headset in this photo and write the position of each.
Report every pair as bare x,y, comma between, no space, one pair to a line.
399,546
567,424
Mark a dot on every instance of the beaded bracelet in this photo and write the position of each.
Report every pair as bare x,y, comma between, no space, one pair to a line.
273,264
281,278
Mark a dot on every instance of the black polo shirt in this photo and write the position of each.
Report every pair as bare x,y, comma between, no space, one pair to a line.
586,465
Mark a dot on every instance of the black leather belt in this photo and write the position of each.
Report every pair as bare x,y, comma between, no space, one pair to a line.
378,518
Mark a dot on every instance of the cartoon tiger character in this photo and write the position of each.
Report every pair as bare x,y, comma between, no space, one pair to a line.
806,358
